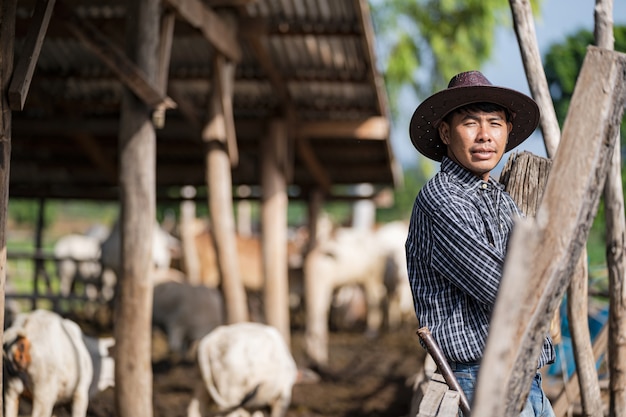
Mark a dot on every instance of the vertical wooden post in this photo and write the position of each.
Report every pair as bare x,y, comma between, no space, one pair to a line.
219,180
543,253
274,227
137,143
188,231
615,240
7,38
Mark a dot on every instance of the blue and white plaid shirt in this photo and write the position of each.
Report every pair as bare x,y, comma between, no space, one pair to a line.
459,229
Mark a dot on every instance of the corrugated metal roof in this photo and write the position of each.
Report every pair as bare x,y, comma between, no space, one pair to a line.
312,57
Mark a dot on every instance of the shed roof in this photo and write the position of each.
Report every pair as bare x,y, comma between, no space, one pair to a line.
310,62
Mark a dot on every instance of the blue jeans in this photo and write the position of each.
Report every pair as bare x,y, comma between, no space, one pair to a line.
537,404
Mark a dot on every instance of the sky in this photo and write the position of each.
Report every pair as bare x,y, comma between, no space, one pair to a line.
558,19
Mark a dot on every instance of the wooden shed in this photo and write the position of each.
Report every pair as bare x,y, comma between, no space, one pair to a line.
132,100
309,63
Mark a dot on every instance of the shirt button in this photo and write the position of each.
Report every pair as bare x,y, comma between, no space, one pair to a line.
484,186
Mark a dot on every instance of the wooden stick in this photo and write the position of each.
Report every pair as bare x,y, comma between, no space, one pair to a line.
444,366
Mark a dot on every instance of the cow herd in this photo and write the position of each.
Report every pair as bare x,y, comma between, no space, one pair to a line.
244,366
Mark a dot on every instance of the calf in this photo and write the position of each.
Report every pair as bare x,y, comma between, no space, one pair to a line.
49,359
186,313
244,367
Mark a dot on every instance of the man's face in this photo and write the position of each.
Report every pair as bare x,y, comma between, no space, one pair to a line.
476,140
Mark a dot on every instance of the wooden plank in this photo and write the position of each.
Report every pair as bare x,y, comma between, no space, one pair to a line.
168,21
254,31
449,404
435,391
439,400
130,74
94,152
225,74
23,74
374,128
215,30
306,152
544,251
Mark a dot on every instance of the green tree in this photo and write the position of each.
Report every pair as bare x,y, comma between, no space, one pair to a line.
426,42
563,62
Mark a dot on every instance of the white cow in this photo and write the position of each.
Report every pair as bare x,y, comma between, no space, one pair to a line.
391,238
78,258
348,257
245,367
49,358
164,246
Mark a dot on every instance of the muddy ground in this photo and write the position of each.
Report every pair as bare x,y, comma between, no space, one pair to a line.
366,377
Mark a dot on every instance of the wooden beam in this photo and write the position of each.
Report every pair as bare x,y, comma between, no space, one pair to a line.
215,30
254,35
165,53
305,151
23,73
97,156
374,128
225,73
132,76
544,251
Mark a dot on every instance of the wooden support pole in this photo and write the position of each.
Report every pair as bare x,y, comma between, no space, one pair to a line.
25,67
531,58
7,41
615,240
543,253
274,227
577,311
137,144
219,181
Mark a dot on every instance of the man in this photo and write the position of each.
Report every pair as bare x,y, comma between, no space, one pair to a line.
462,219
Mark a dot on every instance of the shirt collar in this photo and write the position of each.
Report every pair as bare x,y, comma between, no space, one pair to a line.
465,177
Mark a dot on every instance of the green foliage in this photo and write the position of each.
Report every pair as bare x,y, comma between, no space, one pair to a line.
428,41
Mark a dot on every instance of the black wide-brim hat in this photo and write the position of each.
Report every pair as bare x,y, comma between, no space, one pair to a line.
467,88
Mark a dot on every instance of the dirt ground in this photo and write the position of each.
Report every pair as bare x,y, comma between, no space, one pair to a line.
365,377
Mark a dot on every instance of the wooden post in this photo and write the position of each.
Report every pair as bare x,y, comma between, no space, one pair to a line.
615,245
274,227
525,176
219,180
577,311
7,38
137,143
543,253
188,231
523,23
